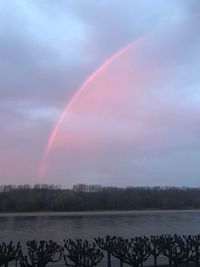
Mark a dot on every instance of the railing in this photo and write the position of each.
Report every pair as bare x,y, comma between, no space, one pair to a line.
136,252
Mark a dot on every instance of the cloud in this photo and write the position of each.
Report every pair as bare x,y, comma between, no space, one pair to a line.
137,119
47,50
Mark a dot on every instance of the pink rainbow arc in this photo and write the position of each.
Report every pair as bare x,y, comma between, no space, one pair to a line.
75,96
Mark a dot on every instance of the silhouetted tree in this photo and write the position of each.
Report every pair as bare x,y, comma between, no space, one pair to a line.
41,253
8,253
176,248
139,251
120,248
95,197
106,244
81,253
195,248
155,248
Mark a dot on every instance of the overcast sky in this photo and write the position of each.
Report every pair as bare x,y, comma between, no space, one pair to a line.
137,122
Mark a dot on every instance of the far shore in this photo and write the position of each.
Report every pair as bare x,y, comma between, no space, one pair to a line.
91,213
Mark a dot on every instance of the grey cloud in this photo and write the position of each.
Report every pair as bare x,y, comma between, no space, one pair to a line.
43,62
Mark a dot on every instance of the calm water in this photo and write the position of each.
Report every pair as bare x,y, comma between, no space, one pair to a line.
58,226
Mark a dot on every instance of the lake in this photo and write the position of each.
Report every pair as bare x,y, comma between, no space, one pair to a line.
88,225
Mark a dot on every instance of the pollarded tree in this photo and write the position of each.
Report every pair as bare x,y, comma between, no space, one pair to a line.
106,244
195,248
81,253
176,248
8,253
155,248
139,251
181,250
41,253
120,248
166,244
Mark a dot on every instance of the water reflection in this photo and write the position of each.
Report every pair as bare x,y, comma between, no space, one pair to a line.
86,226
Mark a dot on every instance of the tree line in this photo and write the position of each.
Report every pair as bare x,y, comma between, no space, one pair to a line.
82,253
82,197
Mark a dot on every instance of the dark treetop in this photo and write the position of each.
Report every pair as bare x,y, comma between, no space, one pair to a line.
95,197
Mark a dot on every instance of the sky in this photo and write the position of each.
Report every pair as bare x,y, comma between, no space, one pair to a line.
100,92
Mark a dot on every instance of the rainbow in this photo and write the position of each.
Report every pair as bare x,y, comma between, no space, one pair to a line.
92,76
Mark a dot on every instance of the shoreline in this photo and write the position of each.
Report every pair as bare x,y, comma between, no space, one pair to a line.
92,213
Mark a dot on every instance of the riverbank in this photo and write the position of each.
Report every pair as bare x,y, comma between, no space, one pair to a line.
93,213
